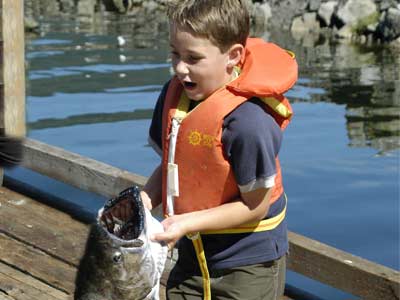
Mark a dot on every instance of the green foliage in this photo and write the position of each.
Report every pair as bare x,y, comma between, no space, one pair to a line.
361,26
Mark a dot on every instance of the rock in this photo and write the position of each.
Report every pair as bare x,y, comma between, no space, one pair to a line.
326,10
85,8
267,11
307,23
386,4
355,10
372,27
67,5
260,14
313,5
30,24
311,22
298,26
396,43
284,11
346,32
389,28
121,6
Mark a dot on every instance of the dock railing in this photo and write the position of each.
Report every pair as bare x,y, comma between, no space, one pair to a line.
308,257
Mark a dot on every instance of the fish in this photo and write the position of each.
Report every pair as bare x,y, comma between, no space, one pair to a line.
122,262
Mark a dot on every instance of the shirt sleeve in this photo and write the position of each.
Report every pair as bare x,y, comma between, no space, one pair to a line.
155,131
252,140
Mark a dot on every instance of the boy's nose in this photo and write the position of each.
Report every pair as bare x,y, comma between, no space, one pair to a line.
181,68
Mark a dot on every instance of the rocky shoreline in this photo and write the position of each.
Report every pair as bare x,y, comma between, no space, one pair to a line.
364,21
360,21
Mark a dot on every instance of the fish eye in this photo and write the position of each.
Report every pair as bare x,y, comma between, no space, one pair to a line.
117,257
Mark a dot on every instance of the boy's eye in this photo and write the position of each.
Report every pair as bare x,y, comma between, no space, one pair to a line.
194,58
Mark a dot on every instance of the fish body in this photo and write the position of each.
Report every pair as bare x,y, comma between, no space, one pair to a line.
124,264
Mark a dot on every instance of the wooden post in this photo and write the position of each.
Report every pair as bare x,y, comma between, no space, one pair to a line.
12,70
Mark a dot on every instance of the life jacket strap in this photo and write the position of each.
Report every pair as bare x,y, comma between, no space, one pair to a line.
264,225
201,258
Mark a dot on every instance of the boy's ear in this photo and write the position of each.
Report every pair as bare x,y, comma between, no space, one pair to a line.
235,54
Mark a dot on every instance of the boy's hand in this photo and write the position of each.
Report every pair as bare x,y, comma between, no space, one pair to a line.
174,229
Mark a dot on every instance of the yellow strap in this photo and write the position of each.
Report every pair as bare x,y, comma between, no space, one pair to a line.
183,107
263,225
291,53
201,258
277,106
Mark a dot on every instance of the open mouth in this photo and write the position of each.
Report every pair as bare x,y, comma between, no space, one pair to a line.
189,85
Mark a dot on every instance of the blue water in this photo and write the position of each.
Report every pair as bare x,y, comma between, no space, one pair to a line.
342,195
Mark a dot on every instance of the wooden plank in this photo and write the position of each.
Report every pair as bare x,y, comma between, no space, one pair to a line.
48,229
13,68
37,264
342,270
84,173
16,285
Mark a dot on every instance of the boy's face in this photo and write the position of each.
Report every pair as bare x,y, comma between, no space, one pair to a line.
199,65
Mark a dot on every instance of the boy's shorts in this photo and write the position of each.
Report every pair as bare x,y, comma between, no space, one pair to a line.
265,281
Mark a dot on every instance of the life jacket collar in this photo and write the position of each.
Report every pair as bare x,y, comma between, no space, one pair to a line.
266,70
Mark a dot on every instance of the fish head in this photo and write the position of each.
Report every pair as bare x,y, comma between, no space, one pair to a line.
120,261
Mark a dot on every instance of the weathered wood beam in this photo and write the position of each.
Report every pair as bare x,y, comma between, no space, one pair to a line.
342,270
12,69
16,284
308,257
12,62
81,172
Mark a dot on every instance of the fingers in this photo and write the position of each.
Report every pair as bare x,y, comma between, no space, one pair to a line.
146,200
165,238
170,246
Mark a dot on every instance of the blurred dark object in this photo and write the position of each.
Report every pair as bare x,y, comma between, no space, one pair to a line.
10,151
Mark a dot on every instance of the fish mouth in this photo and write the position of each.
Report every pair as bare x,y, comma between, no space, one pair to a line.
130,229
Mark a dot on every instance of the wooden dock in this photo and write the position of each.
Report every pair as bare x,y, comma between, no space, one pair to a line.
40,249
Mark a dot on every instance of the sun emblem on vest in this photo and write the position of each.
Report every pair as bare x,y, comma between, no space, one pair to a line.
195,138
207,140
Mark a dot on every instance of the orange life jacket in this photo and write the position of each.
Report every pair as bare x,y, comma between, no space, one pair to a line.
205,176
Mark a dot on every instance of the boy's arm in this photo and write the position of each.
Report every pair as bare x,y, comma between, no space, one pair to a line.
253,206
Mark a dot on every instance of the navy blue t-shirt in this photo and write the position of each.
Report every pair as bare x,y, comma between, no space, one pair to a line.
251,141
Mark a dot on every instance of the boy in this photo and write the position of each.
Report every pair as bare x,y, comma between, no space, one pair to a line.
218,127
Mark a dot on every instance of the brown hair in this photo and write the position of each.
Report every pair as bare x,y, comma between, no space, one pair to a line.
223,22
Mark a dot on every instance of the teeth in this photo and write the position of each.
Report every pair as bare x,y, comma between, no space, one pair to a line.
118,221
